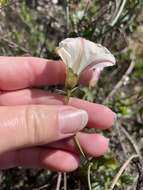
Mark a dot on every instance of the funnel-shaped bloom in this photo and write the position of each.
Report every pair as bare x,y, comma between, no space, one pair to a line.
80,54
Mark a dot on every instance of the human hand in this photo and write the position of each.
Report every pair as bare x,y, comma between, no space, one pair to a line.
30,132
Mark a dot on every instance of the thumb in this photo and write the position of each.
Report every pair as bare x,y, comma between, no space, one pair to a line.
26,126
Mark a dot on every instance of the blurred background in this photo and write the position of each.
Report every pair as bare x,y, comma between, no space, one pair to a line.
34,28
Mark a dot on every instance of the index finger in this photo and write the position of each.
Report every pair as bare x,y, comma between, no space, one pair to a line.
22,72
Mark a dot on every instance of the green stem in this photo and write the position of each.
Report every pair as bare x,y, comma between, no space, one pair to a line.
70,83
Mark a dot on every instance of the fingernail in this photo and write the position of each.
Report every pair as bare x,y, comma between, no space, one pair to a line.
101,145
72,121
107,140
103,140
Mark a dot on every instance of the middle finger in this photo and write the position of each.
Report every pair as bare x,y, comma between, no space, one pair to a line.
100,116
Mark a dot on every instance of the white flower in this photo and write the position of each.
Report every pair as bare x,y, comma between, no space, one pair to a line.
80,54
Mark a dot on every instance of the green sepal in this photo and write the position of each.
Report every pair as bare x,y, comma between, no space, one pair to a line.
71,79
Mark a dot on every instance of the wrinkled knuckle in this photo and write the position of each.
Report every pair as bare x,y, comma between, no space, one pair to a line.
32,125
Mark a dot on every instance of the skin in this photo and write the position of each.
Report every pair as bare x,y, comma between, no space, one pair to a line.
46,147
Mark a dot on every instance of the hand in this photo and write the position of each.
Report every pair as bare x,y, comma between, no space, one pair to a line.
36,128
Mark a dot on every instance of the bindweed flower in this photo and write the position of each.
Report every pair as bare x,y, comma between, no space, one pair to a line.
79,54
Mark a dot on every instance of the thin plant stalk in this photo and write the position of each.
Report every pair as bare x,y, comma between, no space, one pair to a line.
70,84
88,176
59,179
119,13
124,166
65,181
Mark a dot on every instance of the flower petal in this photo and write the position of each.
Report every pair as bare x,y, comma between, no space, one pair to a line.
79,53
66,57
